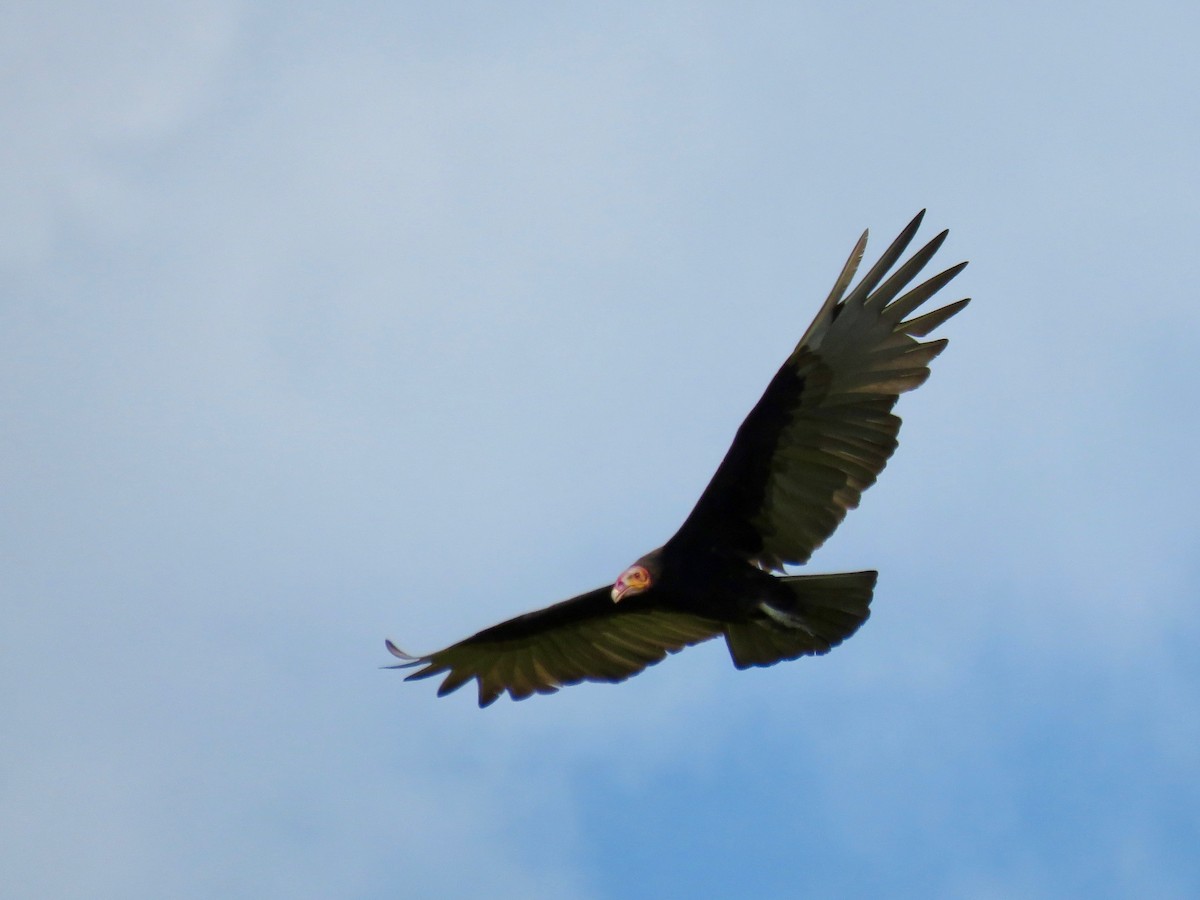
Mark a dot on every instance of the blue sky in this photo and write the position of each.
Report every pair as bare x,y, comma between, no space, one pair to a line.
320,324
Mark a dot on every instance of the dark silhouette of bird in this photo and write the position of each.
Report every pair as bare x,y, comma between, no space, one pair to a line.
818,438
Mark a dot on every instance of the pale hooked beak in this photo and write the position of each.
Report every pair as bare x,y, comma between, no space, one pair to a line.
633,580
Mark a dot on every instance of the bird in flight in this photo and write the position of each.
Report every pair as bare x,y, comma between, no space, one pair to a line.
819,436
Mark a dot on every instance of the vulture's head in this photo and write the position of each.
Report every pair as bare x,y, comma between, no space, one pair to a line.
637,578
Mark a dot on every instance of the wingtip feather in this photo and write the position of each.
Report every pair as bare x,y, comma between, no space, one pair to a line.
398,653
922,325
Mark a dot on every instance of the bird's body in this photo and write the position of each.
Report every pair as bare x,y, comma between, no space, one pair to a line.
818,437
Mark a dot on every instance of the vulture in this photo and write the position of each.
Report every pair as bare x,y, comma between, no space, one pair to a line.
819,436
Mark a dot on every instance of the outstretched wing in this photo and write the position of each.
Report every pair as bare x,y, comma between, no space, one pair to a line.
587,638
824,430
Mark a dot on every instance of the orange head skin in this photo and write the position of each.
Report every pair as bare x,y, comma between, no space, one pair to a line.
632,581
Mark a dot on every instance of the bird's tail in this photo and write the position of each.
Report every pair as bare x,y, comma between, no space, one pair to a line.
811,614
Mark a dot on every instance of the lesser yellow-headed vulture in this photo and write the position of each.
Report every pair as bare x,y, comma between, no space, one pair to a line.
818,438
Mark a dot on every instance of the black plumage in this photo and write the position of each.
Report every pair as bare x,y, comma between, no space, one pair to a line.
819,436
